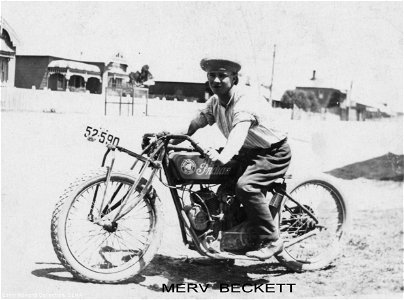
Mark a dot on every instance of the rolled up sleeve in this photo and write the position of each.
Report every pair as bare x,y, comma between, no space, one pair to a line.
206,116
243,116
244,111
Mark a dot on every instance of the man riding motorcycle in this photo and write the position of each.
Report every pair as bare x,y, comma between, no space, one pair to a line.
264,148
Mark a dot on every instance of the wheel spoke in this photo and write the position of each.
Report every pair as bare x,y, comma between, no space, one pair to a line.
305,242
84,247
107,248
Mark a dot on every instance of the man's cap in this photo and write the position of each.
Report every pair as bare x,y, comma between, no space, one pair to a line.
218,64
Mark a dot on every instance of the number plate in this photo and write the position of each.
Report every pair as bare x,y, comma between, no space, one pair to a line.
101,135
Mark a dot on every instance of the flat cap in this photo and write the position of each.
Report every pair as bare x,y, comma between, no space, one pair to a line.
218,64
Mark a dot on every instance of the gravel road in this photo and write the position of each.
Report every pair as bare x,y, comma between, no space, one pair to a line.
42,153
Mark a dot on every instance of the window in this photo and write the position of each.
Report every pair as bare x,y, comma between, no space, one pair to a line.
320,95
4,69
115,82
76,81
60,84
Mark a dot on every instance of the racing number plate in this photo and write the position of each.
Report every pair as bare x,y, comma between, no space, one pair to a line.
102,135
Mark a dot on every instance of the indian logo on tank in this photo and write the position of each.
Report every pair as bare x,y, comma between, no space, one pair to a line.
188,166
207,169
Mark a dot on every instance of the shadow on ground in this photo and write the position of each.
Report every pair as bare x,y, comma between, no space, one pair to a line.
386,167
214,272
181,270
55,273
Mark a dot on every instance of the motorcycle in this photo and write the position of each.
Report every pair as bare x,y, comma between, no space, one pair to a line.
107,226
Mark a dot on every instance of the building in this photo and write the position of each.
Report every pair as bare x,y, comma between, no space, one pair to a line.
8,50
74,76
329,97
63,74
115,73
335,100
192,91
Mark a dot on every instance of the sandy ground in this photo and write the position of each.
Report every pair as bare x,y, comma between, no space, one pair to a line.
42,153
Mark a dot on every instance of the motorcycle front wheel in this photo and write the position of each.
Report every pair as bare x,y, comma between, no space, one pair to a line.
312,244
105,251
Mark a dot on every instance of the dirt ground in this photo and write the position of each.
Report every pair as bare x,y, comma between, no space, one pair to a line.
42,153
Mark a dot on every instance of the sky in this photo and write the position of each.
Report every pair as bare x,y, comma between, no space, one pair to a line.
358,43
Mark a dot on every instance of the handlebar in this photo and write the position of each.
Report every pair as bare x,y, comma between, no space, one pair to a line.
167,136
184,137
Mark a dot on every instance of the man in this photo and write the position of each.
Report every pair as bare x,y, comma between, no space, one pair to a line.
266,154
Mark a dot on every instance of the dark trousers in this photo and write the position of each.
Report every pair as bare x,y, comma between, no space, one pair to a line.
261,168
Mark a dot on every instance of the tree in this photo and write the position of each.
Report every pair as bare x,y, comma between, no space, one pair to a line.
134,78
314,103
301,99
288,98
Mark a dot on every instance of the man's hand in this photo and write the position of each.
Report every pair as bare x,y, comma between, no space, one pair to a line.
214,156
162,133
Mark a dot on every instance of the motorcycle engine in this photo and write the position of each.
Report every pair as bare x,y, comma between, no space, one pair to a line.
205,204
214,214
209,207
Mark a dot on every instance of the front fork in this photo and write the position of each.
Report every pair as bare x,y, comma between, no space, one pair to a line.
90,216
101,218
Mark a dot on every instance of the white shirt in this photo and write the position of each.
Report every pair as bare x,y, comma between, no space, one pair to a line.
245,105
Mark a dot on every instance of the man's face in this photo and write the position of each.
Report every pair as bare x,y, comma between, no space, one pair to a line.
220,81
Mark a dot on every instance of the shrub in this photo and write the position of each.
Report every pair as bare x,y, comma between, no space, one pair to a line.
301,99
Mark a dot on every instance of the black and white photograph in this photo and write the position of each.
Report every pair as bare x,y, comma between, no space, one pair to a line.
201,149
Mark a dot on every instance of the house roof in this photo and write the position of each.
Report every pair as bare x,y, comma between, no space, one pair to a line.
322,84
74,65
116,70
14,38
118,58
5,49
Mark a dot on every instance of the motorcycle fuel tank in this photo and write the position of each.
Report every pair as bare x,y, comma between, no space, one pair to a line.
190,167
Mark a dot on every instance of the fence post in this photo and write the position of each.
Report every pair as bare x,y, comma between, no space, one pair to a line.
147,100
105,102
133,98
120,101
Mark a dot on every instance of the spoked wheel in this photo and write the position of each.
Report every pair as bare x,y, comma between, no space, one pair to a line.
312,230
103,240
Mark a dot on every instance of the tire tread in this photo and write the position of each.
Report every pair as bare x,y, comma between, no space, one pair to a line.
63,200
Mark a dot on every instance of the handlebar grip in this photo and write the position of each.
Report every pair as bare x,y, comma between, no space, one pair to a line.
192,141
181,137
197,147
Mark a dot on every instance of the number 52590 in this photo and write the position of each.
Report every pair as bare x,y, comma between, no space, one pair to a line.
102,136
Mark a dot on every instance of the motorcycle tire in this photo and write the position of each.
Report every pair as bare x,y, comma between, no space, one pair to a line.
313,253
105,254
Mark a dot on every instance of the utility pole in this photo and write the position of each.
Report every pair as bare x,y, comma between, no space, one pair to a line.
272,76
349,100
350,94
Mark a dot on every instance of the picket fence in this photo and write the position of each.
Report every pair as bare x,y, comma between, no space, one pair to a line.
17,99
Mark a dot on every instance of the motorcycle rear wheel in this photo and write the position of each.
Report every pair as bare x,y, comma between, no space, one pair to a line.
327,204
105,254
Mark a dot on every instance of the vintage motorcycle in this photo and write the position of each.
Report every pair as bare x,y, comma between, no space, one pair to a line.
107,226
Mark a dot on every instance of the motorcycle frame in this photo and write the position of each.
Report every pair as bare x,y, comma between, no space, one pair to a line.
158,164
148,162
